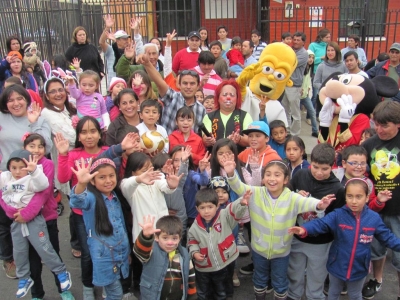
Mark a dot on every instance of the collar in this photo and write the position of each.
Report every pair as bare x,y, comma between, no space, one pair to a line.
188,50
200,72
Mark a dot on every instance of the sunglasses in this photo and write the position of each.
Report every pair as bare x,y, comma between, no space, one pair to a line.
189,72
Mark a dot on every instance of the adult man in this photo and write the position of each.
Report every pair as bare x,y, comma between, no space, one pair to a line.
351,61
258,44
189,82
113,52
247,51
209,79
390,67
383,157
186,59
124,69
291,98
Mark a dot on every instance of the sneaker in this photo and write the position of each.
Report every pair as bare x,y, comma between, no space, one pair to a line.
23,287
65,280
10,268
129,296
241,244
308,121
235,279
67,296
344,290
314,134
247,270
88,293
371,288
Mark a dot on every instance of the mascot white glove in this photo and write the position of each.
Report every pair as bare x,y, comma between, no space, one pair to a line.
326,113
347,108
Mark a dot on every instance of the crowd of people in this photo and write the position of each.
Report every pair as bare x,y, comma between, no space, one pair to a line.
165,173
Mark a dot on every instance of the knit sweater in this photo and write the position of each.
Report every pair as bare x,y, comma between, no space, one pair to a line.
325,69
270,222
185,59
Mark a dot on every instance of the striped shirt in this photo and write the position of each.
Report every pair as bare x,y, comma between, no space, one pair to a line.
258,49
210,86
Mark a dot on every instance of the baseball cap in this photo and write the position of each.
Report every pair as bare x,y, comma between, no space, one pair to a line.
257,126
194,34
395,46
21,153
121,34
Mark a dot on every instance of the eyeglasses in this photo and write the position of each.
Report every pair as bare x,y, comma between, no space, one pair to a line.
189,72
356,164
53,92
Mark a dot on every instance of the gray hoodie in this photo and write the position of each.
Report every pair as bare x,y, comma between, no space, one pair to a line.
325,69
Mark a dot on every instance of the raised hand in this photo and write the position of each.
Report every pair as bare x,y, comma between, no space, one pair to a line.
61,143
347,108
31,164
325,201
204,162
76,63
384,196
186,153
148,226
326,113
34,112
143,59
249,72
137,80
108,21
135,23
173,180
297,230
246,198
70,80
148,177
130,50
228,163
235,137
170,37
130,141
254,156
82,172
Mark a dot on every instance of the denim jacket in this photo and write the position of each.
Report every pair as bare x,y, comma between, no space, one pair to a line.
109,253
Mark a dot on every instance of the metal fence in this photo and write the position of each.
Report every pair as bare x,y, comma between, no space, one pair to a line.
50,23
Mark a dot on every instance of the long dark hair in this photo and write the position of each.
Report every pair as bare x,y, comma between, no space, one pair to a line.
48,105
206,40
8,44
135,162
102,222
79,128
60,62
179,148
215,167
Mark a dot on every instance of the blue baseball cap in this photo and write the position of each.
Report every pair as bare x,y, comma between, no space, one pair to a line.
258,126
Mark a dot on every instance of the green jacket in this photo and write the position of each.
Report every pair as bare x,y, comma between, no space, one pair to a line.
124,69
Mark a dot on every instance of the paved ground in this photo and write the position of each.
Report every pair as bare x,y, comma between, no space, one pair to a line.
245,291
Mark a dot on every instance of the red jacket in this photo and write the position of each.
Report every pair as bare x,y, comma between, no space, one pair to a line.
195,141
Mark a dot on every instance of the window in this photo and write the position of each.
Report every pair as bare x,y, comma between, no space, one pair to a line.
356,14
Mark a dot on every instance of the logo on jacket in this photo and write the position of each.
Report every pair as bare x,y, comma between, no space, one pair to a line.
366,239
218,227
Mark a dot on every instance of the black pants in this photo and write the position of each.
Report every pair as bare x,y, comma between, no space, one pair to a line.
216,280
36,262
6,246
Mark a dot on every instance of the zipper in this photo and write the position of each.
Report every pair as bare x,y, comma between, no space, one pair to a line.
210,242
353,250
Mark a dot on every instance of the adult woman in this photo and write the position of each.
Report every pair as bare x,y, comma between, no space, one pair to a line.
140,82
87,53
13,43
127,102
204,39
352,45
12,65
228,120
332,63
159,44
15,122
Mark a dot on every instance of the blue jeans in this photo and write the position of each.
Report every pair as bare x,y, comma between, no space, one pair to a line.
213,281
114,291
310,113
277,267
314,101
86,260
354,288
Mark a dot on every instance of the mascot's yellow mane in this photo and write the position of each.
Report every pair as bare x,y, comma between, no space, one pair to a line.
271,74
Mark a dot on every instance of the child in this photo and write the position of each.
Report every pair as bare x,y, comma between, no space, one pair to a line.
258,136
287,38
355,164
353,227
272,209
199,95
367,133
32,60
235,56
213,228
278,134
165,261
19,185
88,101
295,149
150,111
185,135
104,223
116,85
209,103
311,253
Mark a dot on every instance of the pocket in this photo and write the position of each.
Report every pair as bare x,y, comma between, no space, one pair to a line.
206,263
332,257
227,248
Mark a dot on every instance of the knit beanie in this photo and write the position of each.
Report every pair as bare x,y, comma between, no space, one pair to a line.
18,154
219,182
114,81
15,53
29,46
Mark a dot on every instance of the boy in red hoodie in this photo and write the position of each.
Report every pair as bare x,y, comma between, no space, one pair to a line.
258,133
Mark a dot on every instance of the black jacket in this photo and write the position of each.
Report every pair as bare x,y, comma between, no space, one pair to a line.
89,56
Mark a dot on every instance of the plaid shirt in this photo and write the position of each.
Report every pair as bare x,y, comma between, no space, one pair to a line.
172,102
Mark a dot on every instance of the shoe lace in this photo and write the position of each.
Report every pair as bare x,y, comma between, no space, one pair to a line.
10,265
